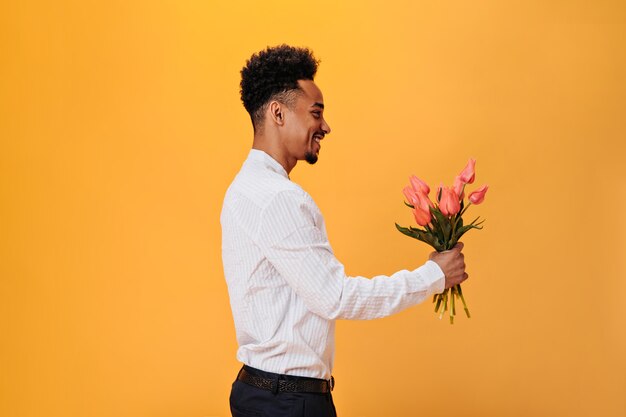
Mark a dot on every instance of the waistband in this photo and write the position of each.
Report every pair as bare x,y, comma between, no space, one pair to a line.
283,383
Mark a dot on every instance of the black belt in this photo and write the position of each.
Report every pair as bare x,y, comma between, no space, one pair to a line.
287,385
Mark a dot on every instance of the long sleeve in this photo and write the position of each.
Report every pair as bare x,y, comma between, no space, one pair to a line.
285,285
292,237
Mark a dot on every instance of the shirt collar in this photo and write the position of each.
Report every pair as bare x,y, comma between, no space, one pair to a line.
267,161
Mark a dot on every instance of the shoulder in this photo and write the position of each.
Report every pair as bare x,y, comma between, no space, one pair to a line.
256,194
291,199
265,189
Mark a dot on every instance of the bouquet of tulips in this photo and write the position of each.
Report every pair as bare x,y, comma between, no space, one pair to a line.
443,223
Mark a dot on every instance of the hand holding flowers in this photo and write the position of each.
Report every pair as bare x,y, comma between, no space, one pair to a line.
443,223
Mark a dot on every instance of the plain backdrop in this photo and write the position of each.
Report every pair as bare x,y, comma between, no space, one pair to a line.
121,127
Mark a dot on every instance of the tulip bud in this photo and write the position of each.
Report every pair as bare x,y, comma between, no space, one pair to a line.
421,217
477,196
426,202
467,175
449,204
417,199
458,187
419,185
411,195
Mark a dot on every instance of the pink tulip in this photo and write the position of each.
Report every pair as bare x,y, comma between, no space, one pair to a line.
426,203
477,196
411,195
421,217
416,198
458,187
467,175
449,204
419,185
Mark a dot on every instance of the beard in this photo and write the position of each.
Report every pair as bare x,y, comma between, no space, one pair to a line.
310,157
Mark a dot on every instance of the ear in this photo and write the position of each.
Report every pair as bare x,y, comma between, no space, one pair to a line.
276,112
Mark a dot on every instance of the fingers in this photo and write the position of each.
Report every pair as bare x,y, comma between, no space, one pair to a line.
461,259
451,281
452,263
459,279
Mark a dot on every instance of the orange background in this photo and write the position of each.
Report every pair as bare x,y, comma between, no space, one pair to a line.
121,127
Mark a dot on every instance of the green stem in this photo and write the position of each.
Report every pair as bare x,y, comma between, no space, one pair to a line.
463,300
469,203
439,299
452,306
445,304
453,225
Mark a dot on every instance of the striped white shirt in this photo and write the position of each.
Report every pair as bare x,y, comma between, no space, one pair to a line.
285,285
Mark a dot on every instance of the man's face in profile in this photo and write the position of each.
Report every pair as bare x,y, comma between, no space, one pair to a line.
305,123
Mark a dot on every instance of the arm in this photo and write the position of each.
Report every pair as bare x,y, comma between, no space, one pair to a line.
300,252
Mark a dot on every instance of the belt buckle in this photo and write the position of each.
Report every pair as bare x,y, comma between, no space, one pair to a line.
331,382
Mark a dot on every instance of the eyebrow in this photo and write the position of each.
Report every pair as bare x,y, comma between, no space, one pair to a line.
316,104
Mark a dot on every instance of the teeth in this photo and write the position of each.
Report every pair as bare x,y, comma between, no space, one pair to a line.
316,139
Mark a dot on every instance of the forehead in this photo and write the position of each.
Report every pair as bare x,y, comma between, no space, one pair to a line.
310,92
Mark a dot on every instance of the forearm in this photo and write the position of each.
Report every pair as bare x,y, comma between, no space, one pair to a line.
364,299
319,279
302,255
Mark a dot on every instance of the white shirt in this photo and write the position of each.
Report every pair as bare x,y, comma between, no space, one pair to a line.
285,285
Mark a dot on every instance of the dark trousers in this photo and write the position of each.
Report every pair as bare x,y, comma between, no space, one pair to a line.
249,401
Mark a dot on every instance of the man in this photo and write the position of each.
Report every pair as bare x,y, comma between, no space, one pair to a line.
286,287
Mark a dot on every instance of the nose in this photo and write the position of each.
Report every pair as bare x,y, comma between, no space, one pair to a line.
325,127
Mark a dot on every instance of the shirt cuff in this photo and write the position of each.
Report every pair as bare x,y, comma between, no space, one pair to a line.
433,277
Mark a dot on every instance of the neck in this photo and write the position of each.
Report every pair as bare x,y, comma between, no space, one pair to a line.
272,148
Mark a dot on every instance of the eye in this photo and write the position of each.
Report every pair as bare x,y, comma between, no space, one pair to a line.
317,114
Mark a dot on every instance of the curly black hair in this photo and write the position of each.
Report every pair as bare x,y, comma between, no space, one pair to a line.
273,74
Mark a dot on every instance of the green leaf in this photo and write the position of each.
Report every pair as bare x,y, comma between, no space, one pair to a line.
444,226
409,231
464,229
407,204
404,230
439,225
425,236
455,235
459,223
418,234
